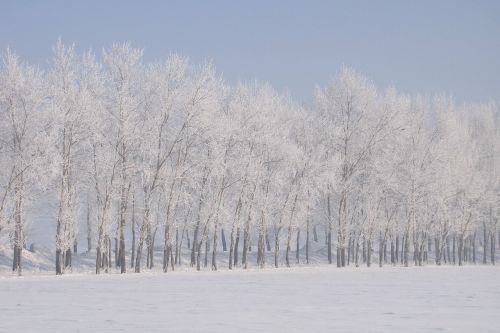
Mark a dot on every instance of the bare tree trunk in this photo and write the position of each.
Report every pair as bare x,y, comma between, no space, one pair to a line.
297,252
18,228
349,250
89,229
356,255
260,242
396,254
368,252
276,247
178,251
195,239
380,251
393,258
385,251
223,240
198,254
167,247
236,246
214,250
142,236
151,249
460,249
406,248
132,254
289,236
177,243
207,249
109,253
231,247
117,263
307,241
485,243
364,249
246,241
454,261
329,232
68,259
98,262
437,247
341,233
447,251
261,245
121,250
474,248
492,246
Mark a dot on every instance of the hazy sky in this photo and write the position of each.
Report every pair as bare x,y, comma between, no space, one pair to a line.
420,46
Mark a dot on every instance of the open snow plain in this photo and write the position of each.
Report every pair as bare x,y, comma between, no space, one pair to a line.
304,299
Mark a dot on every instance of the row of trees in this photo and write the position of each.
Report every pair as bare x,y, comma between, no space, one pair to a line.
134,152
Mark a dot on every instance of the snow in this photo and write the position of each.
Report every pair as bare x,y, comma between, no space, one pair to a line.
302,299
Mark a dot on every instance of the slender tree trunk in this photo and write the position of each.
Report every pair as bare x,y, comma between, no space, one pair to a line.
117,262
349,250
492,247
393,258
364,249
454,261
68,259
18,227
132,254
236,246
261,253
307,241
368,252
246,240
356,255
195,240
89,229
437,251
380,251
297,252
396,254
460,249
214,250
329,232
121,251
142,237
474,248
109,253
289,236
448,249
207,250
223,240
385,251
167,247
231,247
341,233
485,243
276,247
198,254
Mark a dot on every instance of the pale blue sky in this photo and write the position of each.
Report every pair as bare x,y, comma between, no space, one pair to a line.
420,46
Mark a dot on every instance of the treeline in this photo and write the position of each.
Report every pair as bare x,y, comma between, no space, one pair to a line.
136,153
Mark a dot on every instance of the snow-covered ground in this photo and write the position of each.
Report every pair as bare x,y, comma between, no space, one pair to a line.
315,299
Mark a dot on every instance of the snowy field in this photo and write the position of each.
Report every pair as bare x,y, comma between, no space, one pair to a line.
305,299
